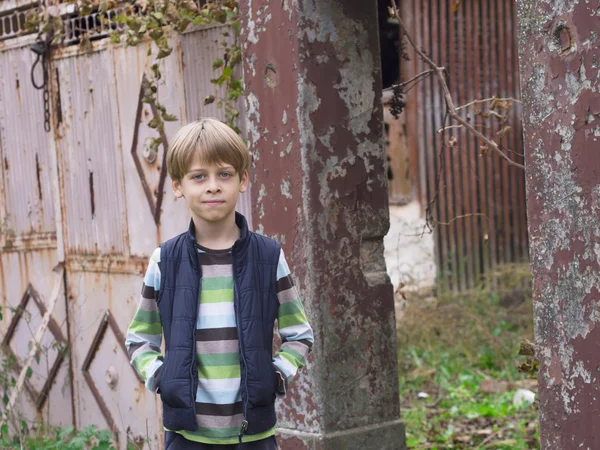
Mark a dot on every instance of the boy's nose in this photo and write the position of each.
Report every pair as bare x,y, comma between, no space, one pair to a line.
213,185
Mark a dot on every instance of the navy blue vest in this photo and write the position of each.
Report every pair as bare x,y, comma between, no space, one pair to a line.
255,259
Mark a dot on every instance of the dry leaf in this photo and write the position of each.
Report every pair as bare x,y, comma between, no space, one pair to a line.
504,131
143,4
527,348
455,6
502,105
483,432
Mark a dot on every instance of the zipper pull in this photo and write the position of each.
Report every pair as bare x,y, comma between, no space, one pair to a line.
243,428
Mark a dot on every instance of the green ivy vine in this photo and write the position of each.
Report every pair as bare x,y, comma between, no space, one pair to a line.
155,20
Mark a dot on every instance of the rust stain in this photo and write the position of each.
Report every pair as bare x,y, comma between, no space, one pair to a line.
58,111
564,40
92,196
38,169
18,88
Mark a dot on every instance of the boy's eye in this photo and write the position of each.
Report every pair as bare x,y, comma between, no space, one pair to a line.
225,174
198,176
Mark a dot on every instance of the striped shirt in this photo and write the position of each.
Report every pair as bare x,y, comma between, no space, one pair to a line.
218,399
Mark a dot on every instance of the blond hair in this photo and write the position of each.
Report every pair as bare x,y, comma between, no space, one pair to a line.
210,140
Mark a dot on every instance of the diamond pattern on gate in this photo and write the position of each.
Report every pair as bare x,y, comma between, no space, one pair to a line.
39,398
155,204
108,321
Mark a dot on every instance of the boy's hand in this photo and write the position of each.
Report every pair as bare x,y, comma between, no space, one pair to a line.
281,383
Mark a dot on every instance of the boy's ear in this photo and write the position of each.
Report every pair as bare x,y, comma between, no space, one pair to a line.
244,182
177,188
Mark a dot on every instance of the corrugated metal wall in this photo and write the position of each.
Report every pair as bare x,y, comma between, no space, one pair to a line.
477,45
92,180
26,166
85,195
28,245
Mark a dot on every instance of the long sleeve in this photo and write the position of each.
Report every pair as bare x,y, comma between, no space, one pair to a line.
144,335
295,331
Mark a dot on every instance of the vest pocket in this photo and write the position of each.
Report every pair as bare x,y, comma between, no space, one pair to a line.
173,384
175,393
262,378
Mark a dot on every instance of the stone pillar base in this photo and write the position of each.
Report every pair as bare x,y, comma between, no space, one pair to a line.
382,436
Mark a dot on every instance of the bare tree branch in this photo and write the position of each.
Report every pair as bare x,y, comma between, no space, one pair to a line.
440,71
448,127
491,99
415,78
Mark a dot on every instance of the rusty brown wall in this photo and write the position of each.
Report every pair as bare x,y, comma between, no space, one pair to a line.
477,46
312,74
559,56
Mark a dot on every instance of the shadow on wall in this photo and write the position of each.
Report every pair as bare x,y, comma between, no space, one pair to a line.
409,253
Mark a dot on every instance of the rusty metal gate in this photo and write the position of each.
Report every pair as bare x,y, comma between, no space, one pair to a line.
87,194
477,46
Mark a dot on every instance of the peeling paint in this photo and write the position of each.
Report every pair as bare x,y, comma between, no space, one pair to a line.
285,189
575,85
253,116
261,193
324,170
561,100
287,150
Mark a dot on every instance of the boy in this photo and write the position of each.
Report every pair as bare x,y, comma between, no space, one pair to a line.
215,292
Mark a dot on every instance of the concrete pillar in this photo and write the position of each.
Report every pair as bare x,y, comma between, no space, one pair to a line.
313,83
560,79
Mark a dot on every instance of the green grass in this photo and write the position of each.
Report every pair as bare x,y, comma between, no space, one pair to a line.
446,349
88,438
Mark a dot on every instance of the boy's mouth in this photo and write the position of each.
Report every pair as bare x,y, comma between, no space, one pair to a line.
214,202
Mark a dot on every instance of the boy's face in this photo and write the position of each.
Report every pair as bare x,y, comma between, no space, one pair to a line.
211,190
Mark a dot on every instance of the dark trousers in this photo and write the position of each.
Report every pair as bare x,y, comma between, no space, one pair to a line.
175,441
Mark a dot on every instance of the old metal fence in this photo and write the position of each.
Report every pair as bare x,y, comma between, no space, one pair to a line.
88,194
479,199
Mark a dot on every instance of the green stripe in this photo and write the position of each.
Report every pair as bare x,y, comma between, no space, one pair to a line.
145,328
219,372
215,433
142,360
288,308
149,317
223,435
216,296
211,284
289,353
292,319
292,359
219,359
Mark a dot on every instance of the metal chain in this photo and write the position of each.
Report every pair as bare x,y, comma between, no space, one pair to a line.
46,96
40,48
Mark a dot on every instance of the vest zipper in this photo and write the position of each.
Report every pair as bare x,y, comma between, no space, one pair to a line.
244,426
199,273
